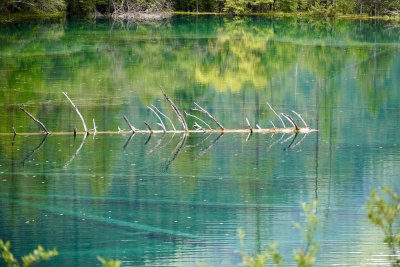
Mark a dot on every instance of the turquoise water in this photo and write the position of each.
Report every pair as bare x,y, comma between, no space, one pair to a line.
175,201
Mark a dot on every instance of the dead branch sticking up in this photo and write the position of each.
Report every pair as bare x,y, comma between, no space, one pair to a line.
199,108
34,119
77,111
177,112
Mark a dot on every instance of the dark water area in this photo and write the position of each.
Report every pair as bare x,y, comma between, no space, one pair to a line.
175,200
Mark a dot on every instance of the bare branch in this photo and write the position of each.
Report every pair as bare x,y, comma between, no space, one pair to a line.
291,121
165,116
248,125
199,108
33,118
15,132
284,126
197,118
177,112
133,129
77,111
94,127
158,116
298,115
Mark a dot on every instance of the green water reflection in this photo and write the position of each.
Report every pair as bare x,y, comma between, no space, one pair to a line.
136,199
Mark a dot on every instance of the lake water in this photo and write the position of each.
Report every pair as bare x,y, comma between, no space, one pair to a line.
178,201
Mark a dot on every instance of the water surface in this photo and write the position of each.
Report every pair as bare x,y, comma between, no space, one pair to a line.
178,201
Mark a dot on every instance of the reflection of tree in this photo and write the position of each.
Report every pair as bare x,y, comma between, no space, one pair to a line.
235,57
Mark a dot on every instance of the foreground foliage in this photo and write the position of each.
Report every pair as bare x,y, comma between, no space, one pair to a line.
36,256
304,257
384,212
39,255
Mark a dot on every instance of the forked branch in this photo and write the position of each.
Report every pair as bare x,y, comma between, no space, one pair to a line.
199,108
197,118
165,116
158,116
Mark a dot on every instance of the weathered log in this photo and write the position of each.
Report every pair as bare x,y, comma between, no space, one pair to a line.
197,128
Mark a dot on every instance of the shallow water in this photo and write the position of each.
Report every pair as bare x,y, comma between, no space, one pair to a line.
178,201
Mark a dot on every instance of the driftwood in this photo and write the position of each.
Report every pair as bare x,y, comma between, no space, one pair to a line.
200,125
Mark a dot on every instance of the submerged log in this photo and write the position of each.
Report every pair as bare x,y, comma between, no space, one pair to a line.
296,129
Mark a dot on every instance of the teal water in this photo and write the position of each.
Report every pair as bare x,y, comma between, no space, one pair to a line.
175,201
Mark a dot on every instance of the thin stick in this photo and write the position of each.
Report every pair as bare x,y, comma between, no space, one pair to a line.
77,111
133,129
284,126
298,115
273,125
209,115
177,111
15,132
248,125
94,127
191,115
291,121
196,126
148,127
33,118
165,116
158,116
